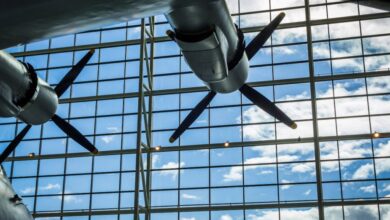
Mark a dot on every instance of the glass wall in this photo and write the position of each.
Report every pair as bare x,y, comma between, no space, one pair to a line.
329,73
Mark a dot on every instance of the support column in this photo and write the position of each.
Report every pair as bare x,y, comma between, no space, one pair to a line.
317,153
144,116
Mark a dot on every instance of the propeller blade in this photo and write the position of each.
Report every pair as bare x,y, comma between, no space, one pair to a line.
263,36
194,114
268,106
74,134
11,147
68,79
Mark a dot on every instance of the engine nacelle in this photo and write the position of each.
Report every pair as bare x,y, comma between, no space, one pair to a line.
211,44
236,78
206,54
42,105
23,94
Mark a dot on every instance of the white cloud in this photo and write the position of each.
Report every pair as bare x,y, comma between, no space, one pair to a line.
302,167
253,115
172,169
72,199
189,196
353,106
289,35
264,215
345,107
263,172
341,89
368,189
383,149
286,214
235,174
286,4
113,129
185,218
338,30
348,149
331,213
107,139
220,154
386,188
294,152
375,26
253,20
329,150
361,212
382,165
284,187
285,50
307,192
329,166
266,154
50,186
172,165
378,84
265,150
259,132
28,190
354,149
155,159
363,172
351,126
250,5
297,110
288,97
226,217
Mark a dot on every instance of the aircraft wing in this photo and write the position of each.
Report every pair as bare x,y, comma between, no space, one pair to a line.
379,4
24,21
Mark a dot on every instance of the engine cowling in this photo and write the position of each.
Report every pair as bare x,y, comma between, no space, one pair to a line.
206,54
211,44
25,96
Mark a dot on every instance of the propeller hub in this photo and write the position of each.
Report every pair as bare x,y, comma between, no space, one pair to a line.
235,79
41,107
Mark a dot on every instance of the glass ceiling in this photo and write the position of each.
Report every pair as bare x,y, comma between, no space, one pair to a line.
329,73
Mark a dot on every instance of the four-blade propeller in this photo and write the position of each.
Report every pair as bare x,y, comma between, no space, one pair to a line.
261,101
72,132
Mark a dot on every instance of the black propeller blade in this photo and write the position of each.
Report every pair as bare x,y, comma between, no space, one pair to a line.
259,41
74,134
265,104
11,147
194,114
64,84
253,47
258,99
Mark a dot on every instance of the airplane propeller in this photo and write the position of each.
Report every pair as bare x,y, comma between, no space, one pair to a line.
72,132
194,114
261,101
